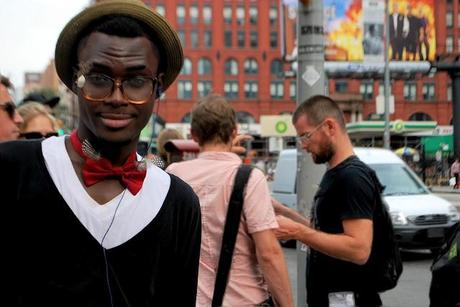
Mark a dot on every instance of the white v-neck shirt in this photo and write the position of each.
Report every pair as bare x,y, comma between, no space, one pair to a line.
134,212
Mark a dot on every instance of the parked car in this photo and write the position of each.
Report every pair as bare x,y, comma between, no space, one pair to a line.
420,218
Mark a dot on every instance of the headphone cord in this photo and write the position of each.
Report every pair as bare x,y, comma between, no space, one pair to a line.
104,251
106,263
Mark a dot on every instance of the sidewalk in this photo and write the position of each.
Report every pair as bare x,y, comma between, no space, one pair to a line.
444,189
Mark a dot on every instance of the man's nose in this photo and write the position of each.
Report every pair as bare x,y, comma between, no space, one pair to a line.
17,118
117,96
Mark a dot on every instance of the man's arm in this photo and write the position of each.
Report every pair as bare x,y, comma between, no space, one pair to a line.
271,259
353,245
283,210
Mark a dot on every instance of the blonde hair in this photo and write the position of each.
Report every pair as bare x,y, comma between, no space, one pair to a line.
164,136
31,110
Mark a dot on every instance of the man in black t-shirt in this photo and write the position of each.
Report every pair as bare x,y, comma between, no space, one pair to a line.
340,231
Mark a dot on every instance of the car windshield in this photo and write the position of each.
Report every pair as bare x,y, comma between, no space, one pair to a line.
398,180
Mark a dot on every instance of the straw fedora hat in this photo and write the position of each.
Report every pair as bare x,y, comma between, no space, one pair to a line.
159,28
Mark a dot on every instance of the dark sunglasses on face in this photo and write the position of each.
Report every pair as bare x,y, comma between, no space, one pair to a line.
9,108
38,135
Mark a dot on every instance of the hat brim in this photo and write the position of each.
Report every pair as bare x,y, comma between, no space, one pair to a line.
160,30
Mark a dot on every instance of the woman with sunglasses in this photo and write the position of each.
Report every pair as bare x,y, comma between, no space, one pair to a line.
38,122
9,118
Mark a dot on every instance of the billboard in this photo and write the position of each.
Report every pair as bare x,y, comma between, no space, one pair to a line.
354,30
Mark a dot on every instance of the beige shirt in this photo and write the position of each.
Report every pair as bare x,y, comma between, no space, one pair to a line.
211,176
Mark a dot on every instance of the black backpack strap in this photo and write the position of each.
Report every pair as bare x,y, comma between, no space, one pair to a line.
232,223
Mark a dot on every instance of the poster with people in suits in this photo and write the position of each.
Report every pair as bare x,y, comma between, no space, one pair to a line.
354,30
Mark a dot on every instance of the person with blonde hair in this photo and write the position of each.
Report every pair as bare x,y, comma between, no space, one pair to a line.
258,267
38,122
164,136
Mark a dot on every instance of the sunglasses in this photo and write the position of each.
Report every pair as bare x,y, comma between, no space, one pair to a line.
9,108
37,135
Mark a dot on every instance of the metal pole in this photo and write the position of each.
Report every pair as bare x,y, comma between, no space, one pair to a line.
456,111
310,81
386,91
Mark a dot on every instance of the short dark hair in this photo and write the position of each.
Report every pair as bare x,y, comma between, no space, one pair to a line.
117,25
317,108
213,120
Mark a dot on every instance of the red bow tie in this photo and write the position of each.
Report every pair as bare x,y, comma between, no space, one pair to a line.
94,171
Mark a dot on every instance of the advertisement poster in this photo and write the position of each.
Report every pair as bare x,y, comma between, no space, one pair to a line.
354,30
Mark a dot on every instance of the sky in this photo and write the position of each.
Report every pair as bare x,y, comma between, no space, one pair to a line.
28,33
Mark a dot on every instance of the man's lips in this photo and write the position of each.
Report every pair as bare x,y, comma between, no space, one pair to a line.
116,120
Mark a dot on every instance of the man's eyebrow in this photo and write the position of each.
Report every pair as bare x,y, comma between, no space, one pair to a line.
106,67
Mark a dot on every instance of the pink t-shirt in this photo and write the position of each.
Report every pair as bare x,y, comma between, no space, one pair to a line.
211,176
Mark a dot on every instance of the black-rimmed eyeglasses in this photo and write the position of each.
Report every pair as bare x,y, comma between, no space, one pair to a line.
97,87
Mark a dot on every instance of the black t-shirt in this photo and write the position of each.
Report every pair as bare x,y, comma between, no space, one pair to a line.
346,192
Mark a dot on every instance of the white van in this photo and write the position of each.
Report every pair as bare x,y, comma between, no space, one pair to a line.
420,218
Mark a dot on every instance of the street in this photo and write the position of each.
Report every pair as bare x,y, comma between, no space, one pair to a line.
413,286
453,198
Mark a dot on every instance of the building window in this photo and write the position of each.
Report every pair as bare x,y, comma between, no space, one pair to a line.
428,91
180,14
187,118
251,67
277,89
273,39
449,92
254,39
293,89
449,44
204,67
231,67
251,89
194,39
240,39
420,117
273,15
276,67
410,91
227,12
240,15
207,15
187,67
244,118
366,89
204,88
228,38
341,86
231,89
207,38
449,19
184,89
161,9
253,15
181,35
193,11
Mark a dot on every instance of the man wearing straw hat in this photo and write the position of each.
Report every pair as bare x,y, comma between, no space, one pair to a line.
88,223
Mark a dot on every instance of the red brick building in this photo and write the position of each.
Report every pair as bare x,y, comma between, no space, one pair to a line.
232,48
